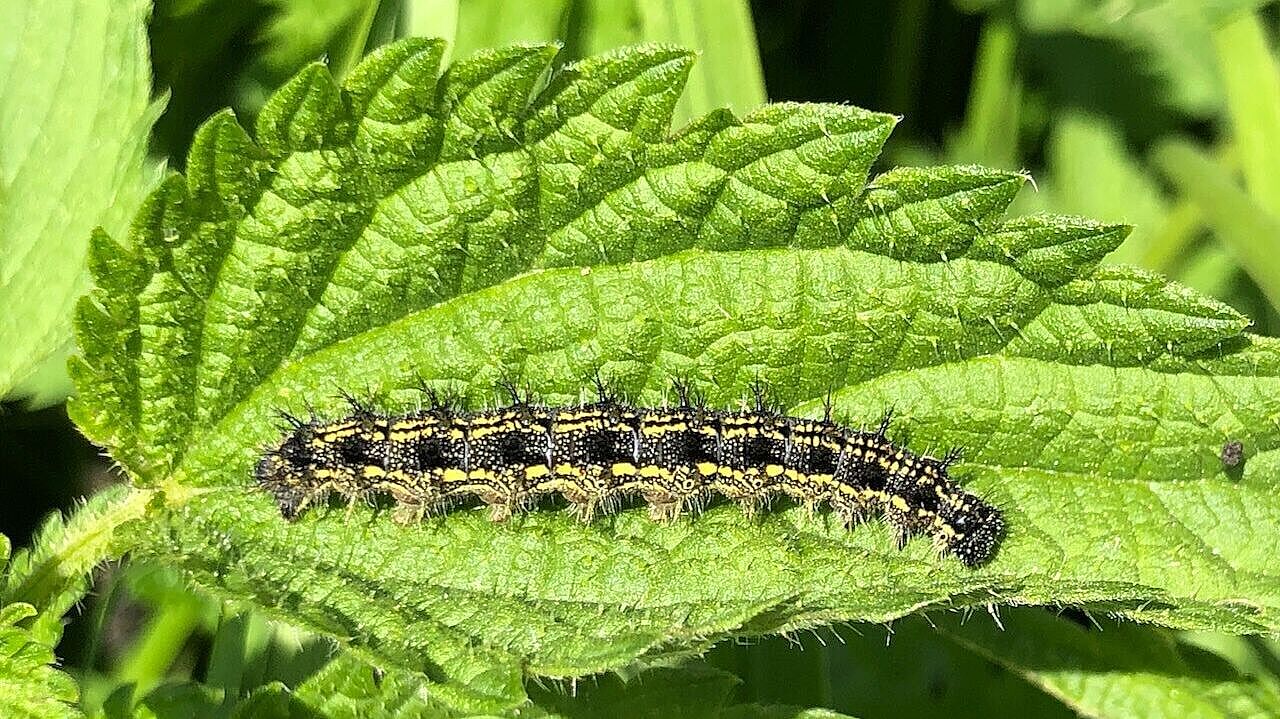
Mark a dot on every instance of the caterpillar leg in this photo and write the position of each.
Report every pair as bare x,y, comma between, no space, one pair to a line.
408,511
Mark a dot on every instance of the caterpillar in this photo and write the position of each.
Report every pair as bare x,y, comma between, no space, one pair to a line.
598,456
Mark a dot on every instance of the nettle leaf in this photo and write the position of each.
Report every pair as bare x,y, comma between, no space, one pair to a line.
53,573
347,687
29,685
410,229
75,112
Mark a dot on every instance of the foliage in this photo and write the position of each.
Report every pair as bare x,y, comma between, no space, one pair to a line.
73,129
38,586
445,216
381,235
29,687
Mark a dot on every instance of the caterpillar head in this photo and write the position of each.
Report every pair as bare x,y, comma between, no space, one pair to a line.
976,529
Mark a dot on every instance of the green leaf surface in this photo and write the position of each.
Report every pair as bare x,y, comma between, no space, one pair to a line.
175,701
991,124
347,688
1251,655
436,18
407,230
302,31
75,111
29,687
1116,669
53,573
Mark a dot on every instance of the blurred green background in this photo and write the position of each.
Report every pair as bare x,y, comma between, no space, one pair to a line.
1164,114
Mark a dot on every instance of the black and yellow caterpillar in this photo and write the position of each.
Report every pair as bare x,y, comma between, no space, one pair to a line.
598,456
